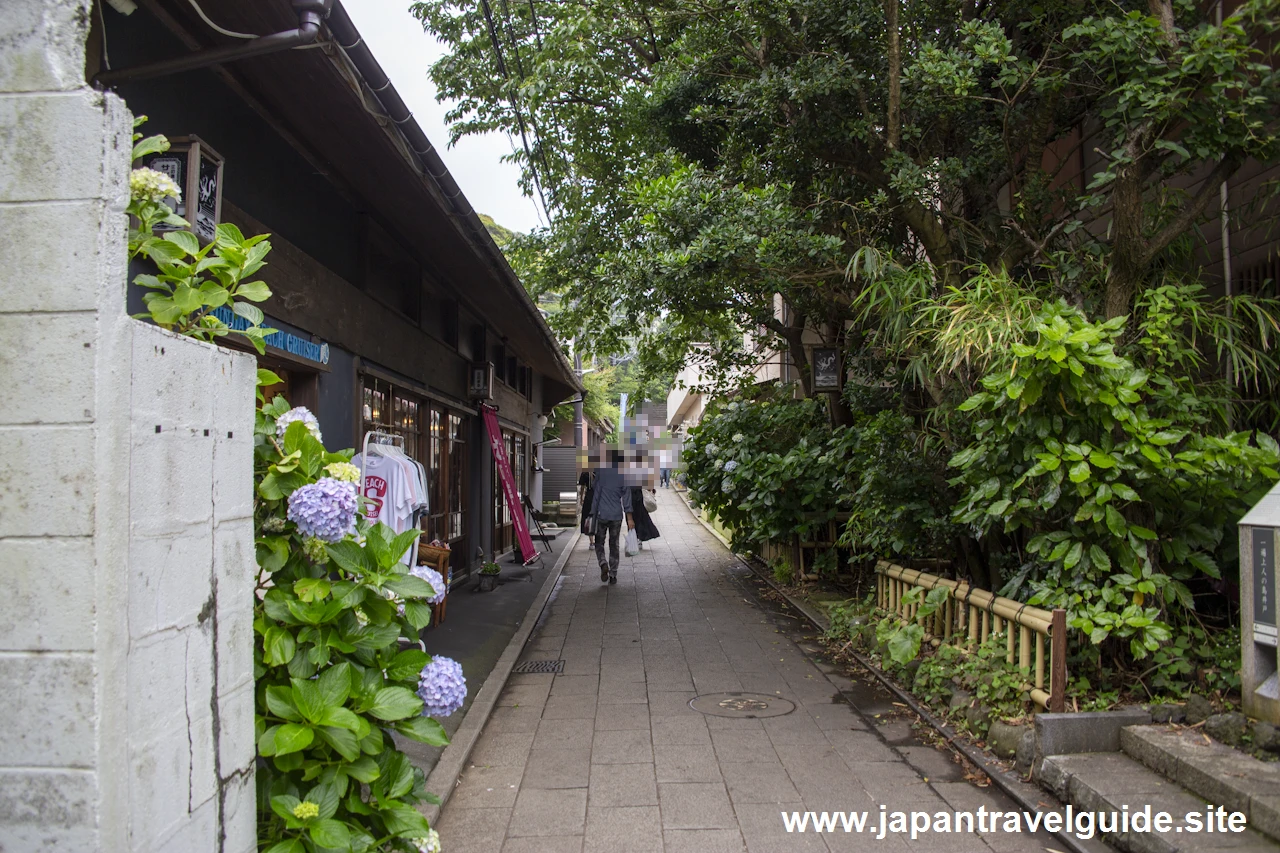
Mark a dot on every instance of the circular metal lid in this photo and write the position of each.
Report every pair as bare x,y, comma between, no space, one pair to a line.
747,706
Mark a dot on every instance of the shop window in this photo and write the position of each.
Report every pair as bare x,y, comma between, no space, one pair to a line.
436,436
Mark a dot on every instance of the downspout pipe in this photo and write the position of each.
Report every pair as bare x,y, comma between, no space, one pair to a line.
311,14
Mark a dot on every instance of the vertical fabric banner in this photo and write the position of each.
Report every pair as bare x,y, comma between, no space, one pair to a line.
527,552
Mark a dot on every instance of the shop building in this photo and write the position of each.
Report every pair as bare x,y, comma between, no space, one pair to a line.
387,288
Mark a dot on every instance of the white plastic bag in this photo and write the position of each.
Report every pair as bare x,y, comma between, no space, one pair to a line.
650,501
633,543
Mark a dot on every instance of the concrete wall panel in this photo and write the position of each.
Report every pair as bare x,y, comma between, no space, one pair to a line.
48,601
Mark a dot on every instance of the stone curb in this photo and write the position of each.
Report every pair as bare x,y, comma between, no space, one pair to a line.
1215,772
444,776
1028,797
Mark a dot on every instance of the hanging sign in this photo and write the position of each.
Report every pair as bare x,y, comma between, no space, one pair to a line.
527,552
826,369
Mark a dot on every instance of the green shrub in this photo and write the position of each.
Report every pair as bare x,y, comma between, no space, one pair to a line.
1105,474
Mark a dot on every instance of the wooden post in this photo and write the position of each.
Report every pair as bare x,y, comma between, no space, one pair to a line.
1058,663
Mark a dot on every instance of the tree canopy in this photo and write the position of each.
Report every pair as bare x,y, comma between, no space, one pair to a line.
702,161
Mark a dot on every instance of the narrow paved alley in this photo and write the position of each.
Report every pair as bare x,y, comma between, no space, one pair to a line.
609,756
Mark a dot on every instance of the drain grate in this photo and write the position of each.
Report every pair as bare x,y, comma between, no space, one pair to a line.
534,666
749,706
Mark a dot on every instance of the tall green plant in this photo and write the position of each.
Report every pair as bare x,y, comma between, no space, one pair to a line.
333,680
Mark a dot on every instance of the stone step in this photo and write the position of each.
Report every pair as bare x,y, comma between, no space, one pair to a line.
1109,781
1214,771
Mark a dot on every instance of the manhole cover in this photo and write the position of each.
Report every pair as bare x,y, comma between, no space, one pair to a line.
533,666
742,705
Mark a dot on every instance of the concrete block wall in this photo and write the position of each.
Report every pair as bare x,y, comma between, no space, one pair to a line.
126,540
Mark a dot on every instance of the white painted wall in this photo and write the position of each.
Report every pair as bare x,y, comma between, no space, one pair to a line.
126,539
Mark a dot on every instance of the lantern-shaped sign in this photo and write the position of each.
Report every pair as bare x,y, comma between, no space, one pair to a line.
197,170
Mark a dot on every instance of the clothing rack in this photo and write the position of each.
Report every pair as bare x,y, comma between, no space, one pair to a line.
377,437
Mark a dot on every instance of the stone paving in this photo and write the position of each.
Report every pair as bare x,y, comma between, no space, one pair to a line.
608,755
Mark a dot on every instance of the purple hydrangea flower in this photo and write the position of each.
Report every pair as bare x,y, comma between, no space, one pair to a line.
442,687
325,509
434,578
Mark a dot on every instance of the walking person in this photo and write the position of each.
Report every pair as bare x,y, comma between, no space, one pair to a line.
610,504
638,519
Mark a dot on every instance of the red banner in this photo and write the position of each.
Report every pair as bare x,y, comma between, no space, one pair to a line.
499,447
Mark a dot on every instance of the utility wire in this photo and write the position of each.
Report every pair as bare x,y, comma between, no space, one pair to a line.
539,148
515,102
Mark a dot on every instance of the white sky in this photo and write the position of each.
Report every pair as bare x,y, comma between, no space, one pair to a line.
406,53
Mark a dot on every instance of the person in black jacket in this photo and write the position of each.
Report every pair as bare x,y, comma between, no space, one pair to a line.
639,518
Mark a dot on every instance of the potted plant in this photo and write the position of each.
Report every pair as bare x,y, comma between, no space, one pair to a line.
489,576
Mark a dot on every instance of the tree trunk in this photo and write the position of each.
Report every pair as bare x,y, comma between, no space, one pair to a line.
1129,249
893,123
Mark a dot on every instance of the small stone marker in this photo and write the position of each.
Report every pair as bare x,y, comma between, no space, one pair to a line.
1259,665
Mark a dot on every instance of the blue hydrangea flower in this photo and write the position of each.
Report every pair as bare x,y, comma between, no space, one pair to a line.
434,578
729,466
298,413
325,509
442,687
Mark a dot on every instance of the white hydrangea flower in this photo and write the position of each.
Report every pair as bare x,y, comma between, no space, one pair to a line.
738,438
430,844
719,464
300,413
149,185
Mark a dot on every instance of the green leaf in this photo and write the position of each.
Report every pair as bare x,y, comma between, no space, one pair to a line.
363,769
331,834
411,587
424,730
278,647
343,741
334,684
1074,553
280,703
157,144
267,377
395,703
1115,521
311,589
252,313
184,240
284,804
404,821
1079,472
418,614
407,665
1099,459
292,737
904,645
344,718
307,699
254,291
289,845
1099,558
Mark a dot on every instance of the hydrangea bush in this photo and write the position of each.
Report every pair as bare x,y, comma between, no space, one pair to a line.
336,676
190,282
